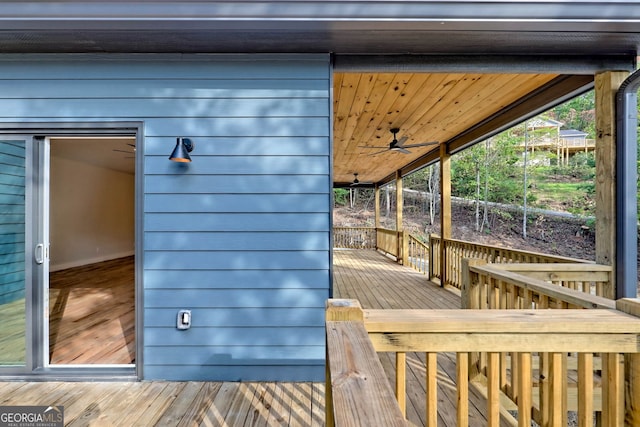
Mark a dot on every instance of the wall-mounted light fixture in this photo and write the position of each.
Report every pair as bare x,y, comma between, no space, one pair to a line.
181,153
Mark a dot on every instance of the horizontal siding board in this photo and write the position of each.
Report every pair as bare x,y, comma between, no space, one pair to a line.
12,180
243,146
224,336
164,107
12,258
10,238
13,148
253,279
235,203
166,89
13,190
251,68
237,260
207,127
12,296
16,277
9,169
237,241
247,165
12,267
208,222
238,126
239,317
235,355
11,291
230,184
10,209
11,199
313,373
234,298
11,229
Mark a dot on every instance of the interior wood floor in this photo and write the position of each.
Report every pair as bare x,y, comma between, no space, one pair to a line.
92,314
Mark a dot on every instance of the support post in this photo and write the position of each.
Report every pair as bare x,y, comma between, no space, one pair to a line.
399,209
445,209
606,86
376,193
377,206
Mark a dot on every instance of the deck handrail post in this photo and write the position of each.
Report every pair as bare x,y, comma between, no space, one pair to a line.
337,310
405,247
431,256
470,292
631,369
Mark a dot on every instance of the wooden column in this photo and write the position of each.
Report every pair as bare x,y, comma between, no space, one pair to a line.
377,206
399,204
445,209
606,85
399,209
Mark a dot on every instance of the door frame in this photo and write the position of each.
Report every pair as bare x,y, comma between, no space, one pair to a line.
37,355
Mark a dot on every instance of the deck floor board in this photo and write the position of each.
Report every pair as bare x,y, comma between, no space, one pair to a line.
368,276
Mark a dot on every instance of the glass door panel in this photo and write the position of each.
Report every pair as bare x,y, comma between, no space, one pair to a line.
13,240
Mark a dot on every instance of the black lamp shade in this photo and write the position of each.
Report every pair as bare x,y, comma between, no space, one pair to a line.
181,152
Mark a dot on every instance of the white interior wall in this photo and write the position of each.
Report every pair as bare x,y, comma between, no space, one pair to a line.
91,213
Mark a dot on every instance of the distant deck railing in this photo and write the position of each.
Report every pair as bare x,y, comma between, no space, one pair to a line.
533,344
424,257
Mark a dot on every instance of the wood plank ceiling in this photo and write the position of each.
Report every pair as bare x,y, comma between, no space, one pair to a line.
425,107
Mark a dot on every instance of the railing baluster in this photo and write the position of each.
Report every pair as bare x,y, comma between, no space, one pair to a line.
401,381
524,390
493,389
585,390
558,395
432,389
612,391
462,379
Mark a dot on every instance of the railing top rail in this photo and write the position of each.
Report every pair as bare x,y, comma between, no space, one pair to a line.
570,296
501,321
354,228
553,267
531,253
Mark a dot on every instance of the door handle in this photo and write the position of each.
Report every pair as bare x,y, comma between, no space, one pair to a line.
38,254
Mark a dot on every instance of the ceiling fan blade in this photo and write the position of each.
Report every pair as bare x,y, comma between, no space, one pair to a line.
372,146
422,144
402,150
401,141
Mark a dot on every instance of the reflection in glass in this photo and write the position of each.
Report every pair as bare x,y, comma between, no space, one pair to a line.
12,253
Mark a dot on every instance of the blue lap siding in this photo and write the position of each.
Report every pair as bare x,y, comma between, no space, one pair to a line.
240,236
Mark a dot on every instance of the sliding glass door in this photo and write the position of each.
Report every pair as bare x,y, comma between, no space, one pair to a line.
23,249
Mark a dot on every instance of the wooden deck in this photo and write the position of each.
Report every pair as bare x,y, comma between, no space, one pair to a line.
365,275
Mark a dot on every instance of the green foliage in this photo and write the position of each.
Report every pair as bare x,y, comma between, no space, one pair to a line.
340,196
494,164
578,113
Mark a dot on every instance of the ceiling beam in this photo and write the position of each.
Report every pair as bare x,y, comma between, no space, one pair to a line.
503,64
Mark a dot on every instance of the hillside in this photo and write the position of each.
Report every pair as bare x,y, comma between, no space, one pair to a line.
548,234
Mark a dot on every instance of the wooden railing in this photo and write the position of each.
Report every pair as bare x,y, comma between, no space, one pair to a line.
417,254
425,258
536,285
456,250
521,333
354,237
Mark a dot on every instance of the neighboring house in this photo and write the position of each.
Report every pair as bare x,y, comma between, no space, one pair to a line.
241,236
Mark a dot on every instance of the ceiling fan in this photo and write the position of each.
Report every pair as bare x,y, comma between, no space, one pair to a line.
398,144
357,182
132,150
